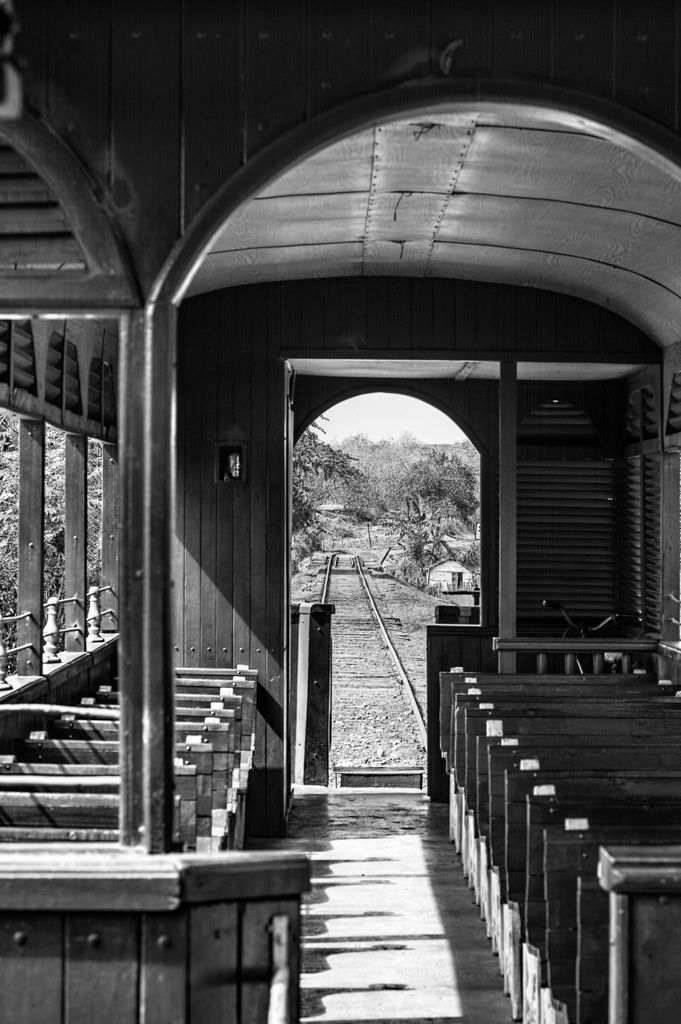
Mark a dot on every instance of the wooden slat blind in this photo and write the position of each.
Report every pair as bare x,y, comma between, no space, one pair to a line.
566,536
632,569
641,543
652,539
674,414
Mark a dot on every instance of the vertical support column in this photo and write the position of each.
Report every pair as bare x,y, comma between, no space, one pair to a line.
110,538
671,555
75,541
31,530
508,459
489,539
147,493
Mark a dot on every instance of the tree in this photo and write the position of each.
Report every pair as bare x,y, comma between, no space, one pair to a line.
315,462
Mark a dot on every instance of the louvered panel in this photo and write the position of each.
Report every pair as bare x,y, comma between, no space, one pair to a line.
109,418
566,537
5,330
557,423
632,595
94,390
674,415
648,413
23,358
633,423
53,369
72,398
34,235
652,535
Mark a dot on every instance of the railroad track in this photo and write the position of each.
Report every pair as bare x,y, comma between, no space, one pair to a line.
377,722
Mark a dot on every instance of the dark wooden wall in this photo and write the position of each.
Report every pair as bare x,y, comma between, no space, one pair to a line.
164,100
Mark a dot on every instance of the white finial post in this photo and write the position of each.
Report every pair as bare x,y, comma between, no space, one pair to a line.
94,617
51,630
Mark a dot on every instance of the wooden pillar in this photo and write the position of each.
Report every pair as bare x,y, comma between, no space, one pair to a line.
75,541
110,538
671,555
31,530
146,671
488,539
508,416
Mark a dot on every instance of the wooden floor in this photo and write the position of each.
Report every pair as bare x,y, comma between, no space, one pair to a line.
390,930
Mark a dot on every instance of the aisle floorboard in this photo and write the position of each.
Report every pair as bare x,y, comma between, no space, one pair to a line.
390,932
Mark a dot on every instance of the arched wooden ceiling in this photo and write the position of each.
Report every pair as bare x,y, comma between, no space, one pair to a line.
517,198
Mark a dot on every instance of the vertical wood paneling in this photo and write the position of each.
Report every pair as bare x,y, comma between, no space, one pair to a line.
80,79
31,530
211,104
208,556
521,39
275,73
191,377
583,45
25,942
163,969
224,569
645,46
75,540
214,963
101,968
399,39
508,416
146,128
338,53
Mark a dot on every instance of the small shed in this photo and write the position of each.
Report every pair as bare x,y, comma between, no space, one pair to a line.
449,575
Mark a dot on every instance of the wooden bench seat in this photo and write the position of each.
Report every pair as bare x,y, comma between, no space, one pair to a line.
571,857
601,805
580,734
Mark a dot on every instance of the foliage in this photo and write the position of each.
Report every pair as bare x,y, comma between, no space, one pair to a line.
315,463
427,494
54,513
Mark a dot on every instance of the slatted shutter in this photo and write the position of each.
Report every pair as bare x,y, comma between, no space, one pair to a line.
652,542
631,558
674,415
566,536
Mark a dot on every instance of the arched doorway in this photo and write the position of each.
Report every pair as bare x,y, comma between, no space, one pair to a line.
302,275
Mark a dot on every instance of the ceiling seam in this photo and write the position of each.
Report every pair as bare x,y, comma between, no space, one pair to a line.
465,144
372,198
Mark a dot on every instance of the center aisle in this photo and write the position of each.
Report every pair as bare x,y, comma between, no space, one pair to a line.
390,932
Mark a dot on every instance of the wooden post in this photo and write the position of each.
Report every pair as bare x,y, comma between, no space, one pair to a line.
147,391
508,416
110,539
75,541
31,529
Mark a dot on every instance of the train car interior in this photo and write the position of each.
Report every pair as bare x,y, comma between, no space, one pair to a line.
216,222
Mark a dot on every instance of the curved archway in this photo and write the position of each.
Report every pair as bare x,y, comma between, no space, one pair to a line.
656,147
106,279
342,389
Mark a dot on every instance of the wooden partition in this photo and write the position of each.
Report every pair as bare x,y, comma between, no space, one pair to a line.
124,938
447,647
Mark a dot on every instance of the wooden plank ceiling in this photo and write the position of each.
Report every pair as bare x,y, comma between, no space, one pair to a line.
520,199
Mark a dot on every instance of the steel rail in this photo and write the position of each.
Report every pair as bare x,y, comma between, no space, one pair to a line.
404,678
329,565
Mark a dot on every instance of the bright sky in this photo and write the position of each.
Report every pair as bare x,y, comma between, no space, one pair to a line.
381,415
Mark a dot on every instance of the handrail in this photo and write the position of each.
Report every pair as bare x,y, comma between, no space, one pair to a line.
278,1008
570,647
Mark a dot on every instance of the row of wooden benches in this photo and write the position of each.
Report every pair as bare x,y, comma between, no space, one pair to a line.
61,782
544,772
